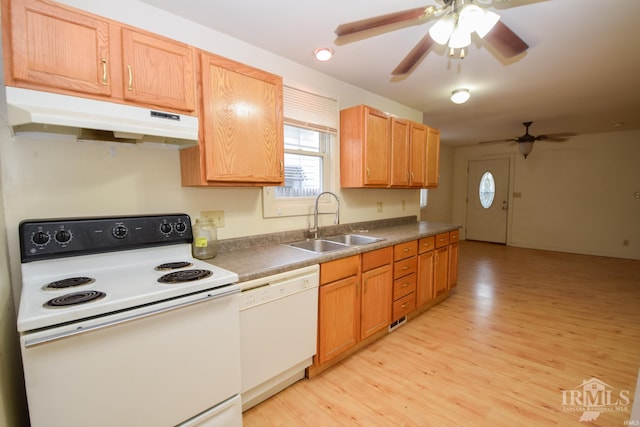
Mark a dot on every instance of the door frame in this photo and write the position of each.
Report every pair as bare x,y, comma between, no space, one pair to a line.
461,185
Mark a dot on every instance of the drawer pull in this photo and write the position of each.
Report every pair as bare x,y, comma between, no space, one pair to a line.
405,267
404,305
405,250
404,285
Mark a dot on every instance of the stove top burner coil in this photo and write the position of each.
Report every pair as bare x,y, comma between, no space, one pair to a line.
68,283
185,276
75,298
173,265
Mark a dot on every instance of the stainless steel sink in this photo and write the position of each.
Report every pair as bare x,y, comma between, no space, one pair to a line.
333,243
318,245
354,239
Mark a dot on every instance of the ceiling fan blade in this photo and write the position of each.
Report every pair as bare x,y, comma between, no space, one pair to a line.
412,58
498,140
556,137
505,41
381,21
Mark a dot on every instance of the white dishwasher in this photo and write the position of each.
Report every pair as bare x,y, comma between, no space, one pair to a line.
278,330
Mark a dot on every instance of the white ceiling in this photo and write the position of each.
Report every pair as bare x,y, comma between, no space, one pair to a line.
580,74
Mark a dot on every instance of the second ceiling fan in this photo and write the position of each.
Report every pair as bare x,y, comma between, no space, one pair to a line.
457,21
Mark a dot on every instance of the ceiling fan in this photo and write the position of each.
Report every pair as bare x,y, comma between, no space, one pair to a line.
525,142
458,19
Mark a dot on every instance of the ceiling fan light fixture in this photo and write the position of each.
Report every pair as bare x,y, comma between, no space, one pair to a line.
525,148
323,54
489,19
441,31
459,38
471,16
460,96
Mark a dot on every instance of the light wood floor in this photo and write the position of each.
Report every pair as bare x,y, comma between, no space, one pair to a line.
522,326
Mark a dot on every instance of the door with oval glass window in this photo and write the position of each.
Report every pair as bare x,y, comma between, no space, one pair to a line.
488,200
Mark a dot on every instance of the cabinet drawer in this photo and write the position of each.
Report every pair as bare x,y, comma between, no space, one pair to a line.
377,258
404,305
339,269
454,236
404,286
405,267
405,250
442,239
426,244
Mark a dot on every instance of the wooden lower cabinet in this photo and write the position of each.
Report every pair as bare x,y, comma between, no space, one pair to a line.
441,264
375,308
454,252
361,295
405,267
426,257
338,307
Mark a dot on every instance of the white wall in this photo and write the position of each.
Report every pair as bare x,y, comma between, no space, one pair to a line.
440,200
577,196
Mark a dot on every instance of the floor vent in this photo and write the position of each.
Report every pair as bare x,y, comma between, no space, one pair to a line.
401,321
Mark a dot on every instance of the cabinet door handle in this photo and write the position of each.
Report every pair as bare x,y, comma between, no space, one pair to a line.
368,173
104,71
130,85
281,167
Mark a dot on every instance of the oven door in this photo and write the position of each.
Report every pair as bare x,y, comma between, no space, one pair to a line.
158,365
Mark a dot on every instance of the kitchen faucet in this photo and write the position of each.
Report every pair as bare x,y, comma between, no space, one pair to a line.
314,230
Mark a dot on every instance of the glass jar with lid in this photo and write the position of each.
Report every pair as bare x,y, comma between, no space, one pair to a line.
205,239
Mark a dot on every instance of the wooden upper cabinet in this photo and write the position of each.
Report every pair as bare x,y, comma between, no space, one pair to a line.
242,121
158,71
56,47
433,158
400,154
377,150
418,155
364,147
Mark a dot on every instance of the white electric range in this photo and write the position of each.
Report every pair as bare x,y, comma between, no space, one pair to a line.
120,325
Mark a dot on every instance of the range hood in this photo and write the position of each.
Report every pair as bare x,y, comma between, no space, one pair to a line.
31,110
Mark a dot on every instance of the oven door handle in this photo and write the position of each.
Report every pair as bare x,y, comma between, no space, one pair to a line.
83,329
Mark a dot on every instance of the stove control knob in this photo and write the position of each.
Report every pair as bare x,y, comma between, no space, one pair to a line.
166,228
181,227
40,238
119,231
63,236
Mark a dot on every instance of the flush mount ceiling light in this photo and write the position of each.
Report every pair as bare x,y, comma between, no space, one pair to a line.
323,54
460,96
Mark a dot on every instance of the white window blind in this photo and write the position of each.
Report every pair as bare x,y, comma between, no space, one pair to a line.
310,110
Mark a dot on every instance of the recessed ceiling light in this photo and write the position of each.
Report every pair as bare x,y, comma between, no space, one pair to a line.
460,96
323,54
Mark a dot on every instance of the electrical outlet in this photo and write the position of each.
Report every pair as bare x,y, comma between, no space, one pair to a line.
216,216
517,194
379,206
